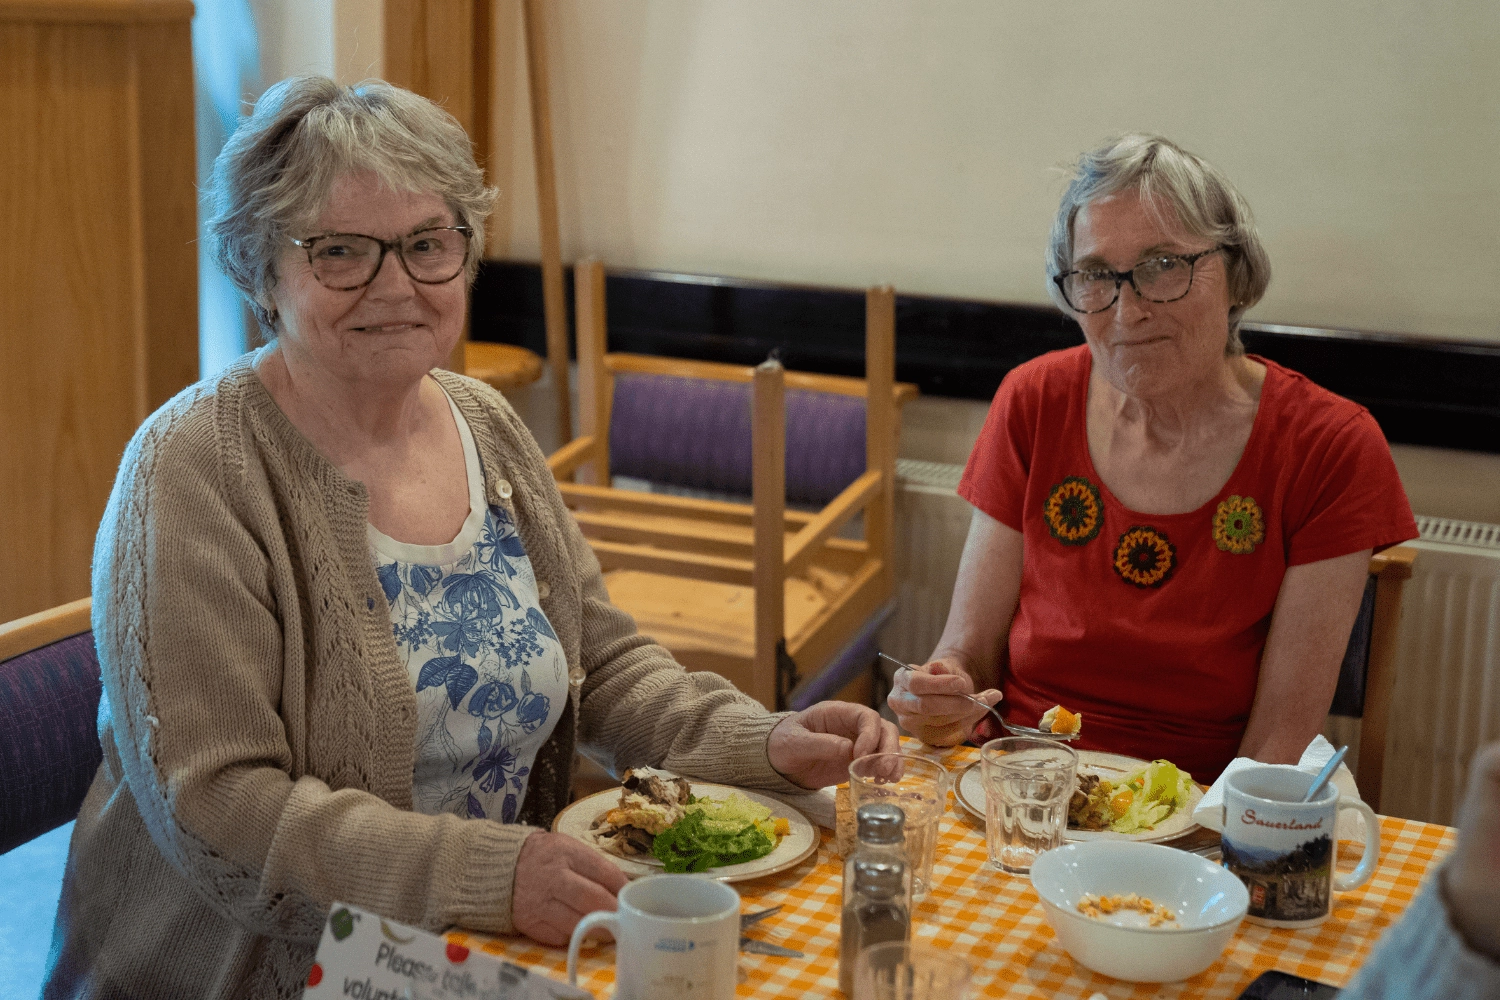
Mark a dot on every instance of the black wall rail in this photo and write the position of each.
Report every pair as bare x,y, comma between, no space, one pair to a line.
1421,390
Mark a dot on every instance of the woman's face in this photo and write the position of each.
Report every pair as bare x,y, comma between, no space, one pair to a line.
388,332
1150,349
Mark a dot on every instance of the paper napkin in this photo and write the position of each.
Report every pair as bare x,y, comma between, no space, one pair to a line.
1210,811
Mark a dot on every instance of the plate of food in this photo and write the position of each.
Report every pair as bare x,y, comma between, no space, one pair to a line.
656,821
1117,798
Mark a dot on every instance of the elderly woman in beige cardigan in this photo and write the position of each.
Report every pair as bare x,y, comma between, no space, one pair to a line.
350,636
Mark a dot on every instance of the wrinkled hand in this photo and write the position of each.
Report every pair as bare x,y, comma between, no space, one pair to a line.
1472,875
925,700
814,747
558,881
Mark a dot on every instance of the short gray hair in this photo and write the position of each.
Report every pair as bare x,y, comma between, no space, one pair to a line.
1207,206
277,169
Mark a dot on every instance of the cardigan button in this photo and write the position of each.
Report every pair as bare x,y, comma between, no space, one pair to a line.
543,589
505,490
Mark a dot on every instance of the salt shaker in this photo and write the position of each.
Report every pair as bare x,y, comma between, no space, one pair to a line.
877,887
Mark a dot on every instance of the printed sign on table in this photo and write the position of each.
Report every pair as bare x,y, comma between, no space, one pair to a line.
365,957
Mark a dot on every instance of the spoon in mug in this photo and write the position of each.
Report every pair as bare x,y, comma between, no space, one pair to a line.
1012,729
1325,774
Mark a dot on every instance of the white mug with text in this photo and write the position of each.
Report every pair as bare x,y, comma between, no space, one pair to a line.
1286,850
677,937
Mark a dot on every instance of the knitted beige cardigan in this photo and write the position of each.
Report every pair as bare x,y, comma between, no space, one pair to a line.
259,727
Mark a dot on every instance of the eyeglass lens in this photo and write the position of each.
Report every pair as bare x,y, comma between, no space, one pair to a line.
1160,279
432,256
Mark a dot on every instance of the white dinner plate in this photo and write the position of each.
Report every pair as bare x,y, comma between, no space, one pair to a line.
969,791
795,847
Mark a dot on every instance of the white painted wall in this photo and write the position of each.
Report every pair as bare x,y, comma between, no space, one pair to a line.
338,38
918,141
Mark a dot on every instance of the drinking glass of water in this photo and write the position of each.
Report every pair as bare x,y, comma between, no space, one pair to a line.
920,787
908,970
1027,785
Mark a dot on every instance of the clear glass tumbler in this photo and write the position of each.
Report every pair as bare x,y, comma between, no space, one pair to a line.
920,787
909,970
1027,785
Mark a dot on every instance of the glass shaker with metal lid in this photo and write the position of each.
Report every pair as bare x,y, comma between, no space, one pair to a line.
877,887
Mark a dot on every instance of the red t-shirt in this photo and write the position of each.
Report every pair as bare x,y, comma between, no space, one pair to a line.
1152,625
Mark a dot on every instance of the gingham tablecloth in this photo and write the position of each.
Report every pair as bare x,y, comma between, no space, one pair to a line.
995,921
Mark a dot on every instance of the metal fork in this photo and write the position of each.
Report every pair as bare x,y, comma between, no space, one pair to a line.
1008,727
753,946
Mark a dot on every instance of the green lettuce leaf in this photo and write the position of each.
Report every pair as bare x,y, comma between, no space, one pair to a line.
693,845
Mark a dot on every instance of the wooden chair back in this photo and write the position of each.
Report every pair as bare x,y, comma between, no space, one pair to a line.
1368,674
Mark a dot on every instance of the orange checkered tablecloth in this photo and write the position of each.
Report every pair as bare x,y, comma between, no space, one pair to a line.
996,922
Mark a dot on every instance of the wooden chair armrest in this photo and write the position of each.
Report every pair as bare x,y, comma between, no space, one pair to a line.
44,628
570,456
1394,563
801,547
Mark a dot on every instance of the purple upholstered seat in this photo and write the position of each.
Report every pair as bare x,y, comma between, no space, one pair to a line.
696,433
49,739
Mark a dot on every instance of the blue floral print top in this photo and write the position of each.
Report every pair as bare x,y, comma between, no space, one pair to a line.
490,675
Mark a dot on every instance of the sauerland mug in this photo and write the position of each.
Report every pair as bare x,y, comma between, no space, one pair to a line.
1286,850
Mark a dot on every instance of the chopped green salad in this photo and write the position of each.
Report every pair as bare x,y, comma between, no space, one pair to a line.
1146,797
716,832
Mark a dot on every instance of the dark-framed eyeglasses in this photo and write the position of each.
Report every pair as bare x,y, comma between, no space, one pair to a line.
346,261
1161,278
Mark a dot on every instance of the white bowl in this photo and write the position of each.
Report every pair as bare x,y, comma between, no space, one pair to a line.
1209,900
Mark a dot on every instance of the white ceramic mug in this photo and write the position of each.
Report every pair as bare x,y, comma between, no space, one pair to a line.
1286,850
677,937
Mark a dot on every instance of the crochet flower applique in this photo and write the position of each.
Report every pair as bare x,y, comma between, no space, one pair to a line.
1074,511
1239,526
1144,557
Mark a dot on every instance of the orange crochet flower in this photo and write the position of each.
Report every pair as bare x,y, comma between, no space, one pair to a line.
1144,557
1073,511
1239,525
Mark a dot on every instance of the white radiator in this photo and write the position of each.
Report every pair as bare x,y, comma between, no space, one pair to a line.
932,522
1446,702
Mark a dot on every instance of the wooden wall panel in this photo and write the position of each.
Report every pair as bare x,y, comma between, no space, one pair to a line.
169,210
441,50
430,48
98,307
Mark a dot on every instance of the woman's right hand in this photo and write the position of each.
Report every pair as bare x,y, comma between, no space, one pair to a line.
928,704
558,881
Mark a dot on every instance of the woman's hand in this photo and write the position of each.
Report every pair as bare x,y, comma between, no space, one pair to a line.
928,704
814,747
558,881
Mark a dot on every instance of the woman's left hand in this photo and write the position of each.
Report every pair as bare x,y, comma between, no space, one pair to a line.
813,747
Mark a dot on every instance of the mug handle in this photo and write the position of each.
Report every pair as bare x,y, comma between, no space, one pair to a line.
1361,874
599,918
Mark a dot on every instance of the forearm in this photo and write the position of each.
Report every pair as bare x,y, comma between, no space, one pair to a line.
1299,667
1283,721
643,709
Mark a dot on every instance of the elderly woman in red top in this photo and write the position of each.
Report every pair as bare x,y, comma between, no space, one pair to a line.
1169,536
